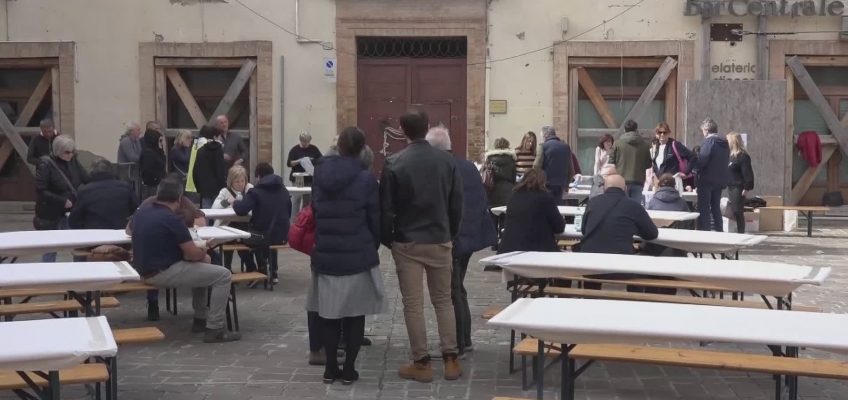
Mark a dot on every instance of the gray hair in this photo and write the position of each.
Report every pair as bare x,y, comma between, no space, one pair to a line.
710,125
439,137
304,137
63,143
132,126
548,131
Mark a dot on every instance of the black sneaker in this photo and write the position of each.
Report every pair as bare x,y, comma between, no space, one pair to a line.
153,311
198,326
349,376
366,341
220,336
332,376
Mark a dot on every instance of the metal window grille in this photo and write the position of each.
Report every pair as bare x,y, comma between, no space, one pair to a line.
422,47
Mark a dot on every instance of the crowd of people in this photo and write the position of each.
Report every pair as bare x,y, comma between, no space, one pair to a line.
431,208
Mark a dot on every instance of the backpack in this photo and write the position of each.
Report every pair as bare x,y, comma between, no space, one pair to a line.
302,232
489,176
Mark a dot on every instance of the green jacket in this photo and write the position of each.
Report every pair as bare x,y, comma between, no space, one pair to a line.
631,155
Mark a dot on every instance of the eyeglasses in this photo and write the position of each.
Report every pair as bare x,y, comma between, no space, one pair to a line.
662,132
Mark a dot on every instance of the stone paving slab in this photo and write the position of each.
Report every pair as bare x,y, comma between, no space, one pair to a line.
270,362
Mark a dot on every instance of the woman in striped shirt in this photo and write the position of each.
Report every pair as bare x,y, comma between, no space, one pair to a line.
526,153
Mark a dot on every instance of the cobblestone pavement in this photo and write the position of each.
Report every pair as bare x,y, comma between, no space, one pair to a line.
270,362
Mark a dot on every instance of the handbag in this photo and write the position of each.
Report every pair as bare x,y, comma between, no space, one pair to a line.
489,176
682,163
579,245
302,232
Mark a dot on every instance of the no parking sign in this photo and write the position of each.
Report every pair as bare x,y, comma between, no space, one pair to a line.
330,69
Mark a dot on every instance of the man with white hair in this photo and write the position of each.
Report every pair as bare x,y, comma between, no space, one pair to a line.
554,157
129,148
234,147
476,232
304,149
712,176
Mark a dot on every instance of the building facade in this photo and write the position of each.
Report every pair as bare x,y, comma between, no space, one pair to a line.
483,68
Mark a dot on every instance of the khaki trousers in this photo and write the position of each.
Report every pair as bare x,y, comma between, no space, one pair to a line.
412,262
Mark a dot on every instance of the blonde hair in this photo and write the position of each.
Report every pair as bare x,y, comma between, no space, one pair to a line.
236,172
736,144
182,134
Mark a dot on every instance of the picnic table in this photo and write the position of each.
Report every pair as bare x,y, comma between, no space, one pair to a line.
53,344
764,278
806,211
691,241
663,218
586,322
82,280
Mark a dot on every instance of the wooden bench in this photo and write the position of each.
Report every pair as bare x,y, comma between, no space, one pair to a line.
9,311
692,358
491,311
81,374
146,334
806,211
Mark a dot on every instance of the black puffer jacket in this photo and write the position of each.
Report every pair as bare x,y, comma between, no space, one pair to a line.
504,165
271,206
210,169
104,203
52,190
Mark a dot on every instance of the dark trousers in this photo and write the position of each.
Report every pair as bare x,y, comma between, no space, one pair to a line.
266,257
737,204
314,328
331,331
709,206
459,296
244,255
556,191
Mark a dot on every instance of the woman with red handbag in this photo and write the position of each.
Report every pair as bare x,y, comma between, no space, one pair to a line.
669,156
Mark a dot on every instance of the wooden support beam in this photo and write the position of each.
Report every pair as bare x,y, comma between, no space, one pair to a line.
671,104
6,150
788,136
824,61
12,135
235,89
595,97
55,105
596,133
839,131
573,93
193,62
651,90
806,180
614,62
161,98
185,96
35,99
833,171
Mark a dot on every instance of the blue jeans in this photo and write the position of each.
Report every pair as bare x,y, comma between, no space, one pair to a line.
634,192
51,257
709,206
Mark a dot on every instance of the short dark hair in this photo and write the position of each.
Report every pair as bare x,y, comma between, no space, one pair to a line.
630,126
666,180
103,167
209,132
351,141
169,190
46,123
533,180
415,124
263,169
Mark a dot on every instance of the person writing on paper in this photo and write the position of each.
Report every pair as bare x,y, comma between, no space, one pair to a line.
667,197
533,219
610,221
237,186
304,149
166,256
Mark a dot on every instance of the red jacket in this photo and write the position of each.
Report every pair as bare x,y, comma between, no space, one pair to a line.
809,147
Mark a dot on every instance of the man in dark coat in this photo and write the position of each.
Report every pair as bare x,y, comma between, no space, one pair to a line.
476,232
105,202
610,221
210,169
554,157
712,176
270,203
39,146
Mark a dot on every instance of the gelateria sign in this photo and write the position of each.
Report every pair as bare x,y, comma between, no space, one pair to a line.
772,8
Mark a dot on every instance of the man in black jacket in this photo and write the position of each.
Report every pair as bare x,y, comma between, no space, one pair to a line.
105,202
610,223
421,201
39,146
712,176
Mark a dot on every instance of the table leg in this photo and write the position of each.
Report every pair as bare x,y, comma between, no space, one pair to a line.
113,378
540,368
809,215
567,374
53,385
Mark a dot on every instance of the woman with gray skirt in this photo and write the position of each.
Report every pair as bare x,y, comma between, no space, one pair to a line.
346,283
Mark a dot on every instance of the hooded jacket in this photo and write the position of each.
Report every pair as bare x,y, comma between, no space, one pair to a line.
104,203
269,198
631,155
504,165
210,169
711,167
667,199
152,160
346,205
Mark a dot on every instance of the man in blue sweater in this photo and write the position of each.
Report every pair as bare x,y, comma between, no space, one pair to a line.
712,176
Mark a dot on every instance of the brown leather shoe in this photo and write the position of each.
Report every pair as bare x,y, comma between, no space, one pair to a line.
419,371
452,369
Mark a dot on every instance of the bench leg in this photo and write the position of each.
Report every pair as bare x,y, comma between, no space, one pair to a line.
54,385
540,371
112,363
567,374
233,299
809,216
168,300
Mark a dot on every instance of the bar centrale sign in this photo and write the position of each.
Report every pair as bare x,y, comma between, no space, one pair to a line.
772,8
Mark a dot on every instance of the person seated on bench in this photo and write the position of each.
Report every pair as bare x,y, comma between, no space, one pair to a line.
667,198
533,219
611,221
166,257
271,206
103,203
237,186
191,216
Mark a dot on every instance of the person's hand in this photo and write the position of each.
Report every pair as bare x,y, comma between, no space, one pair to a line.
228,157
225,203
68,203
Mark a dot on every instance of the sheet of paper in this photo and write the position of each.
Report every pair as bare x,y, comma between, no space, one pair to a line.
306,163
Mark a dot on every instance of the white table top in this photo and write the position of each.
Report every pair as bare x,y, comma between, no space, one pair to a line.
51,344
223,233
656,216
37,242
692,241
577,194
66,275
772,279
581,321
299,190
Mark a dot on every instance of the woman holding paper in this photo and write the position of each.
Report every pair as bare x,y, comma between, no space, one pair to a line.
304,149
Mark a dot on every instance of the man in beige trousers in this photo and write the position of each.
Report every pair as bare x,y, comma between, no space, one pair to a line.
421,202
